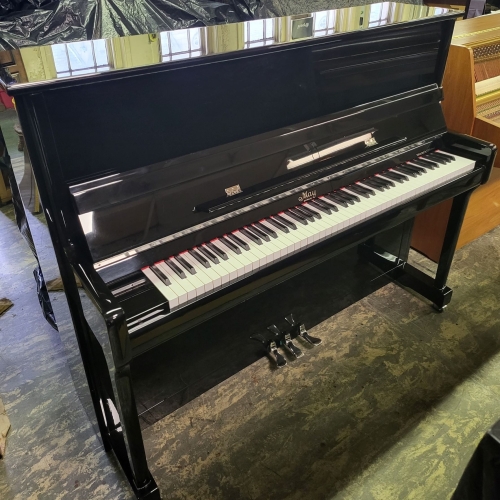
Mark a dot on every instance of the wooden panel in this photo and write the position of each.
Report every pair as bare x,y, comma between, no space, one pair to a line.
5,194
460,108
483,215
459,104
470,27
6,58
429,229
488,130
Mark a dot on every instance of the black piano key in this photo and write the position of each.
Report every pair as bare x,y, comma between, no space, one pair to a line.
344,196
394,176
297,216
324,209
185,264
217,250
425,163
437,159
380,182
279,225
354,197
387,182
359,190
404,170
328,204
322,203
414,163
239,241
249,234
199,257
444,156
284,221
370,181
230,244
175,268
310,211
304,213
338,201
364,189
266,229
419,170
259,232
164,279
205,251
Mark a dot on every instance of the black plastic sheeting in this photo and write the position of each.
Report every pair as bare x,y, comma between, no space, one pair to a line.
481,478
40,22
24,228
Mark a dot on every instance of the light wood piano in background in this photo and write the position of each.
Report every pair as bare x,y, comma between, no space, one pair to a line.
471,106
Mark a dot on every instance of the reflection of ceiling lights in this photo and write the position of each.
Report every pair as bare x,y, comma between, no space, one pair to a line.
87,222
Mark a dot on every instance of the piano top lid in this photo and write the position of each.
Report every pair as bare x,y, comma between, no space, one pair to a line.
87,61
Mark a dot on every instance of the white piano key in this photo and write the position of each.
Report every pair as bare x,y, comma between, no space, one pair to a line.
166,290
201,273
182,294
196,285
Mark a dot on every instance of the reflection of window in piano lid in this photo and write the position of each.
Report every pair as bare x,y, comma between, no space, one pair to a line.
324,23
259,33
182,44
380,14
87,222
80,58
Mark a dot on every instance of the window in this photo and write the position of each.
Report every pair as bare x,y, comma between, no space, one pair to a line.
379,14
259,33
324,23
181,44
80,58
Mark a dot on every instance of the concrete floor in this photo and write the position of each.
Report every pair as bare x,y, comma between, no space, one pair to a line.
391,406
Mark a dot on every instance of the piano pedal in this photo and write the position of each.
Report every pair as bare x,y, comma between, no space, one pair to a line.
271,340
277,340
301,331
291,347
276,355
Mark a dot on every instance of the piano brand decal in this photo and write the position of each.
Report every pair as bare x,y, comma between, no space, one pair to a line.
307,195
302,28
231,191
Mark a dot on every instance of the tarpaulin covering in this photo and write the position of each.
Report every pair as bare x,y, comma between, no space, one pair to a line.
24,228
38,22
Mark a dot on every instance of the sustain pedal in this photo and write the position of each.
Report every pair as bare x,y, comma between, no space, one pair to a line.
300,330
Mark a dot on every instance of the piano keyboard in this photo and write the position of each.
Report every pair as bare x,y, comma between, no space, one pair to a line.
194,273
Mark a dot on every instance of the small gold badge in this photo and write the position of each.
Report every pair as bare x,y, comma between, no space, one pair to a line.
231,191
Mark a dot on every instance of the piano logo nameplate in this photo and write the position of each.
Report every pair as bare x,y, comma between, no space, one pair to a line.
307,195
231,191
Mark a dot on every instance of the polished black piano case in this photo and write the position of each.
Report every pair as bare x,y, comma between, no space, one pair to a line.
142,164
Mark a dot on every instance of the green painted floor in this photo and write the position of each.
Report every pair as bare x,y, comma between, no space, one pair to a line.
391,406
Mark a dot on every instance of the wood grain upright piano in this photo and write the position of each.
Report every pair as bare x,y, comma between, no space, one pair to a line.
471,105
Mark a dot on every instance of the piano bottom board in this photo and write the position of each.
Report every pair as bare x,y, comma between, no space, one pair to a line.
188,365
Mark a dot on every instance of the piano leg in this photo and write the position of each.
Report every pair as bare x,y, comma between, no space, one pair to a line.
115,396
432,288
453,228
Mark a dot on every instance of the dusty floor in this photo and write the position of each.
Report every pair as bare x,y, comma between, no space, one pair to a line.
391,405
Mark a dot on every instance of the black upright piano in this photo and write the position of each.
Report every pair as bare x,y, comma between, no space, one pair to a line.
179,186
